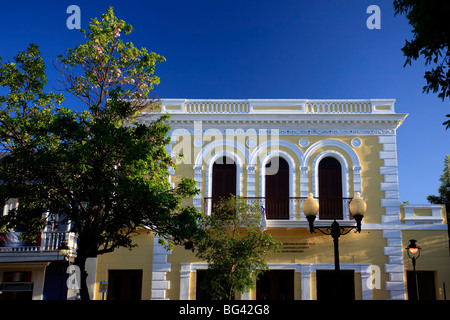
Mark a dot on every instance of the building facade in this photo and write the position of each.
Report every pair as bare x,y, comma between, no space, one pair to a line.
276,152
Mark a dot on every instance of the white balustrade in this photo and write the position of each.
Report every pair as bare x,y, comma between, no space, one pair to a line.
278,106
50,241
216,107
335,107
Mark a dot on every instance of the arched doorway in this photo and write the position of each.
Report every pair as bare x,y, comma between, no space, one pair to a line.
330,189
277,189
223,179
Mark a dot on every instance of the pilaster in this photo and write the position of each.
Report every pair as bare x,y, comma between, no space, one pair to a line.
160,268
394,268
390,186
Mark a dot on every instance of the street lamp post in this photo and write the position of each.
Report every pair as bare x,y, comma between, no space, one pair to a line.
357,207
414,253
64,249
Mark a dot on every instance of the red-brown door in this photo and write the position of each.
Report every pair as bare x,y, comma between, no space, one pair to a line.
332,287
275,285
124,284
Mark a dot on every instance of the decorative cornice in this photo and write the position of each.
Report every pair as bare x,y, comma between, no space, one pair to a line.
284,132
236,126
290,116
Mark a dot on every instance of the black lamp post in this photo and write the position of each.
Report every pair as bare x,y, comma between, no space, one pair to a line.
414,253
357,208
64,249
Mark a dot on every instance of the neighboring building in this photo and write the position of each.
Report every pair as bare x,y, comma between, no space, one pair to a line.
276,152
35,271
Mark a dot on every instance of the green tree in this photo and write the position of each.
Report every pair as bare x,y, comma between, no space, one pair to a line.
444,190
99,169
234,246
431,29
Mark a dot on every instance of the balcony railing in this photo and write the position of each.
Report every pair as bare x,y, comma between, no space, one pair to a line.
291,208
48,242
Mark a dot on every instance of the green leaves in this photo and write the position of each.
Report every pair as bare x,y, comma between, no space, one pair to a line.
105,67
431,30
25,78
447,123
444,188
234,247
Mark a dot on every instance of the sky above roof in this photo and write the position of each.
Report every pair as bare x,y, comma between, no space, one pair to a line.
263,49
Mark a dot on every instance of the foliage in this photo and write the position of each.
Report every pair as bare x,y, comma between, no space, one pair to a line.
104,63
444,192
234,246
99,169
431,29
444,189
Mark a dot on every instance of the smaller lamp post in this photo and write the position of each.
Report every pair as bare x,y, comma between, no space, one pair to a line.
414,253
64,249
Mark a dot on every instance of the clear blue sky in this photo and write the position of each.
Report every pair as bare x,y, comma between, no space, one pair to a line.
313,49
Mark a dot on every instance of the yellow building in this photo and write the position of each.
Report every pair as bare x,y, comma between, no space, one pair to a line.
277,152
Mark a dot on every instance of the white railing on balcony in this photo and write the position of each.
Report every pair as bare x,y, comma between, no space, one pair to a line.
290,208
50,241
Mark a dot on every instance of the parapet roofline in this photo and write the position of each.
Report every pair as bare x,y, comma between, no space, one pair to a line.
277,106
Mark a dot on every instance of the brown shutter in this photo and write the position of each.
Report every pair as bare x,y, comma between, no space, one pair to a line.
223,179
330,189
277,191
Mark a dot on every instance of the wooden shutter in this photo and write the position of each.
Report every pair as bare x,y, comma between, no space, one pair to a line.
277,191
330,189
223,179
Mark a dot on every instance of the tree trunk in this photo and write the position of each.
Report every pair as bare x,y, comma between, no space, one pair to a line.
86,249
230,293
80,261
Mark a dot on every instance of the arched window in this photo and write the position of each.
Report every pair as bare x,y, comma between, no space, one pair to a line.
330,189
277,189
223,179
